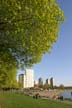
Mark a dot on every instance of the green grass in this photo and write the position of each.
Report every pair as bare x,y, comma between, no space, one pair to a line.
15,100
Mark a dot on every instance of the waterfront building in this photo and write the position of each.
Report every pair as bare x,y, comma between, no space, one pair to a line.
40,81
36,82
51,82
21,80
27,79
47,81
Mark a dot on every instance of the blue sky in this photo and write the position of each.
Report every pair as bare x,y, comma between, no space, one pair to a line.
58,64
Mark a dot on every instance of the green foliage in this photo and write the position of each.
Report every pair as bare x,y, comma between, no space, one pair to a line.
46,86
8,70
28,28
61,86
40,85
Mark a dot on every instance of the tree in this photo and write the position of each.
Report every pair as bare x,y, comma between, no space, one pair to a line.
46,86
8,71
61,86
28,28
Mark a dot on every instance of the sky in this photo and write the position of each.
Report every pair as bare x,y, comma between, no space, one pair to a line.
58,64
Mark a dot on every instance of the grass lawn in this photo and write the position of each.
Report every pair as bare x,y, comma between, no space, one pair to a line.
15,100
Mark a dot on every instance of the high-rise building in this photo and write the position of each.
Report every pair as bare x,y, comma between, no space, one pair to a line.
51,82
27,79
40,81
21,80
36,82
47,81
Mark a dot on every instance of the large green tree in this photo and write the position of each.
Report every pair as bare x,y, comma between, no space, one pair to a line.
28,29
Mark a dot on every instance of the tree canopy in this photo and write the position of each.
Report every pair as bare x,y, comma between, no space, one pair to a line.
28,29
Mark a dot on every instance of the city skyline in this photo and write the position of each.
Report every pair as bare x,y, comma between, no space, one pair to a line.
58,64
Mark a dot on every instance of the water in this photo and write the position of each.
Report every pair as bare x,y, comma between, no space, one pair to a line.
66,94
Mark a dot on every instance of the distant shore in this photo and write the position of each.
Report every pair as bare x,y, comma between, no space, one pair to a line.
50,93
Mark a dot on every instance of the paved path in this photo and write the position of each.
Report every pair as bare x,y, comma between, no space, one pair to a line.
63,101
